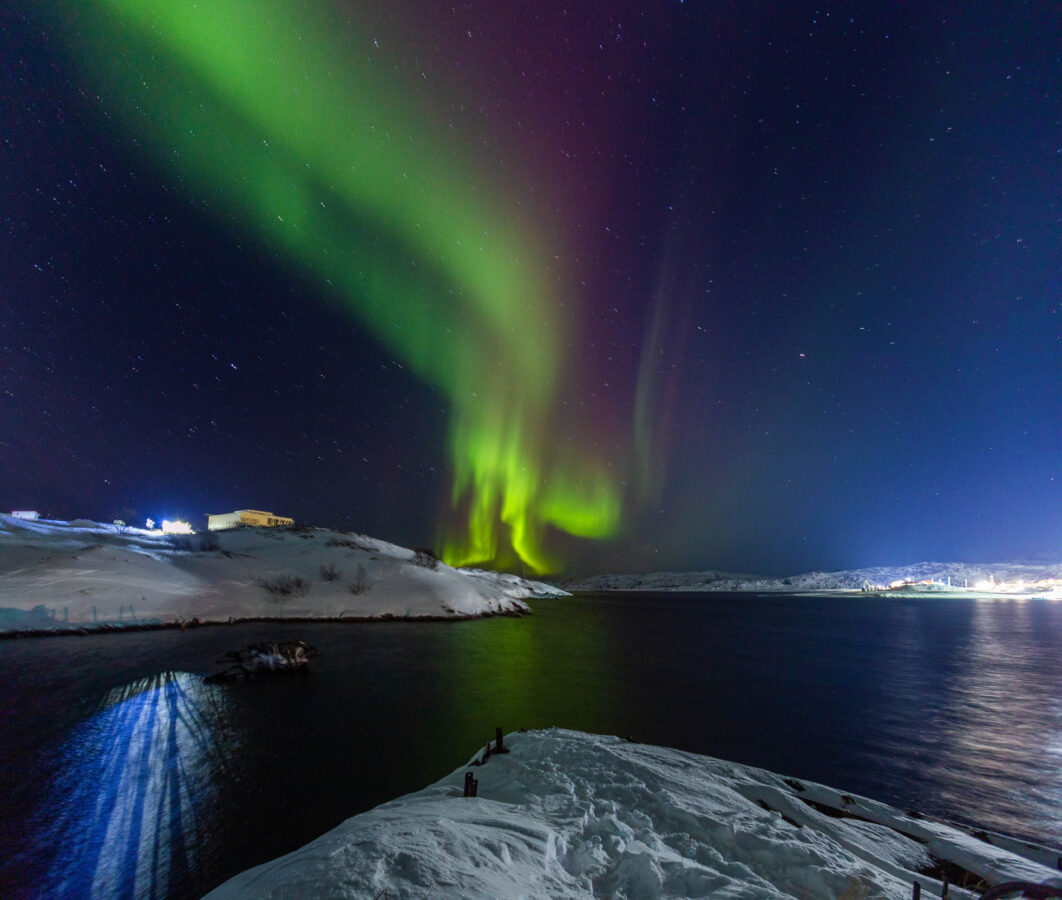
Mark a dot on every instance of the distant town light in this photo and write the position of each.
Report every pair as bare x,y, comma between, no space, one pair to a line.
177,527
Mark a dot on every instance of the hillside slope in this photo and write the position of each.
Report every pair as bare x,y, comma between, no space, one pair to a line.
58,575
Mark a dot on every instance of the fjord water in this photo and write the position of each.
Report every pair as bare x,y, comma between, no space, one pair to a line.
123,775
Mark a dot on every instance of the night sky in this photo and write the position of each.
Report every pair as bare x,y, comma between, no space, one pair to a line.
750,286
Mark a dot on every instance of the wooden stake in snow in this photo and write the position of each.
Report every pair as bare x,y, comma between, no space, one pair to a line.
498,746
471,785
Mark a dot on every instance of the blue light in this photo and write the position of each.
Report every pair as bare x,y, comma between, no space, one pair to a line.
137,776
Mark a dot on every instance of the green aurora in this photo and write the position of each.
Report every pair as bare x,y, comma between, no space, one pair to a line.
264,111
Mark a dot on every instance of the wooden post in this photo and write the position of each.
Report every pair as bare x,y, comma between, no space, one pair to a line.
916,893
486,753
470,785
498,748
944,887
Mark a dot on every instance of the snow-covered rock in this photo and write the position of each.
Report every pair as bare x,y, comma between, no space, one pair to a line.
264,658
58,575
573,815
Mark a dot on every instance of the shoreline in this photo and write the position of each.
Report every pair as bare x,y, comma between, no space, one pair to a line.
188,624
191,624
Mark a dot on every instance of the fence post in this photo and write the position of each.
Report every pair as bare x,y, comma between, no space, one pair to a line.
916,892
470,785
498,747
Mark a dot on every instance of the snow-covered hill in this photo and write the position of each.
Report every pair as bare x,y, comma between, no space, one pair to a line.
573,815
959,575
56,575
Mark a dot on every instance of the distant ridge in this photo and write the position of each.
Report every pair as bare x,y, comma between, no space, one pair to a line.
960,574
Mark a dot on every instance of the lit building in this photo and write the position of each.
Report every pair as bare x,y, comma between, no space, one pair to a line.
177,527
255,517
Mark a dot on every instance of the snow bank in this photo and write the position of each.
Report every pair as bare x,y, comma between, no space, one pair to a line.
60,575
572,815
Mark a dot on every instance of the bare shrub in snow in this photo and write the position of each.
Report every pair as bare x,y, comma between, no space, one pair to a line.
854,890
283,587
360,584
425,558
124,519
186,543
329,572
202,542
353,545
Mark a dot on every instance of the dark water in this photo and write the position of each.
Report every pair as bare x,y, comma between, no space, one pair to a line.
122,775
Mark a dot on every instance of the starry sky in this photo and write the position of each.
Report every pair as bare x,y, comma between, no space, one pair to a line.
761,287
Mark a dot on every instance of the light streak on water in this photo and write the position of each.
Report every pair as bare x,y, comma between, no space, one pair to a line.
1001,660
136,777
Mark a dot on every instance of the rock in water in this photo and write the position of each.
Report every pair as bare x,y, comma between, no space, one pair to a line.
267,657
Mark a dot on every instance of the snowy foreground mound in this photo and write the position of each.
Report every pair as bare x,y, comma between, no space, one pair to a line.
60,575
567,814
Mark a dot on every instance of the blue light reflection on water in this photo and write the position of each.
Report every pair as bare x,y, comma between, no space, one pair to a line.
123,818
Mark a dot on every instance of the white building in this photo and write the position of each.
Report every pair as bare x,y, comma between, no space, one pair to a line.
256,517
30,514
